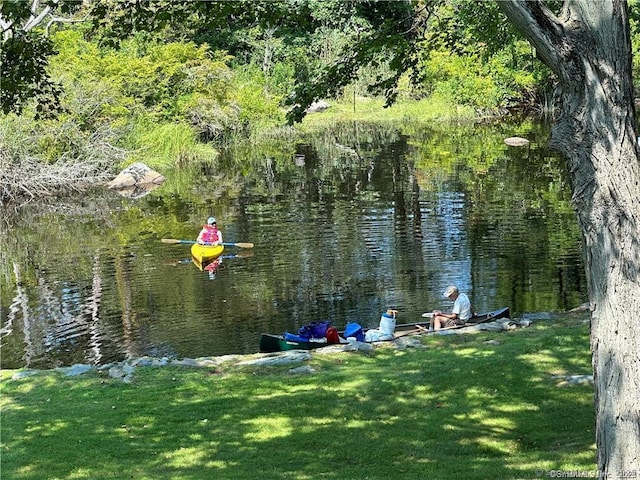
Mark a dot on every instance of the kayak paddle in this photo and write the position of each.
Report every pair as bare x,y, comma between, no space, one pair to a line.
191,242
239,244
173,240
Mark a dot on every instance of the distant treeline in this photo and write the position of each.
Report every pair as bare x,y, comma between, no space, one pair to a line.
171,87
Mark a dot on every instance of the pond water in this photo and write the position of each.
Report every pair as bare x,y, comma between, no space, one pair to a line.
346,223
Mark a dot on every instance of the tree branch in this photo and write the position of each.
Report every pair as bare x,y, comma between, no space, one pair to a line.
34,20
544,30
63,20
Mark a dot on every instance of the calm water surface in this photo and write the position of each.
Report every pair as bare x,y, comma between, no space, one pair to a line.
346,224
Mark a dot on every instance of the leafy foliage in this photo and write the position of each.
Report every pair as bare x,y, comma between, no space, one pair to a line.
307,49
24,55
472,56
161,79
23,70
227,69
386,37
634,23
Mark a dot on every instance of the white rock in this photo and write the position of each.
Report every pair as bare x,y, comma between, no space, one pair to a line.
23,374
186,362
136,174
357,347
77,369
408,342
573,379
117,372
282,358
303,370
581,308
319,106
446,332
516,141
143,362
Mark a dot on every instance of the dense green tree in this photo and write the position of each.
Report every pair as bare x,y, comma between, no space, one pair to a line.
25,51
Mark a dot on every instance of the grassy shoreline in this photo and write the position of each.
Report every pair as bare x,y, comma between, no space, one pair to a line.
473,406
427,111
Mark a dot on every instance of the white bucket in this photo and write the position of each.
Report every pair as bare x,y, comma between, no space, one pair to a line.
388,323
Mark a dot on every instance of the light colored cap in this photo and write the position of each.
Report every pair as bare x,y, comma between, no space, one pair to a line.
450,291
211,220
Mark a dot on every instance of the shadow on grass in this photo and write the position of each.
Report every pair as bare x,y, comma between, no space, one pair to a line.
461,409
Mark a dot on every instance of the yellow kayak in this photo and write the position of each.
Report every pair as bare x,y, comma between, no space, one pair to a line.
206,253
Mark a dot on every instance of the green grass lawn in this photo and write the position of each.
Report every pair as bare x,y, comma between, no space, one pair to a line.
459,409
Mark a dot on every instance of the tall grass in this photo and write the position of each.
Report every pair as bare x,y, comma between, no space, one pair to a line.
168,145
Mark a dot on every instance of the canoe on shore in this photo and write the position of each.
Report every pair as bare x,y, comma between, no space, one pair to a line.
278,343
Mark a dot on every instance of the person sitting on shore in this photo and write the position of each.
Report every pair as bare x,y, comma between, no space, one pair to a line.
460,313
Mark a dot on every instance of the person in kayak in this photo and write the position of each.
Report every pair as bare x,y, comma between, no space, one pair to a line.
460,313
210,235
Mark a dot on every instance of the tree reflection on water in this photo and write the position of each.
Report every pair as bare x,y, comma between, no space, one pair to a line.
352,221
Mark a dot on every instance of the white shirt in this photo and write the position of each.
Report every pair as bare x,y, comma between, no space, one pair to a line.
462,306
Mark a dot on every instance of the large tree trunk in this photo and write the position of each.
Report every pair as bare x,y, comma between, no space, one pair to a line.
589,48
